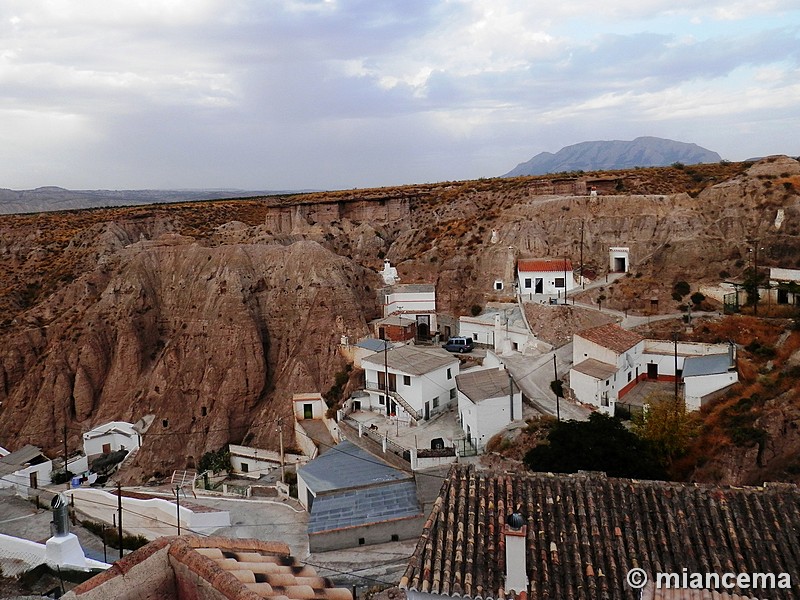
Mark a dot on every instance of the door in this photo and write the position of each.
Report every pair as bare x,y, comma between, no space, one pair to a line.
308,411
423,326
106,448
619,264
427,411
392,382
539,288
652,371
34,481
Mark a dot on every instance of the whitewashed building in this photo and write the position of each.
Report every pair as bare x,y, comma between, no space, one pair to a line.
250,462
606,361
545,276
488,401
502,329
705,377
25,468
420,380
786,285
416,301
619,259
110,437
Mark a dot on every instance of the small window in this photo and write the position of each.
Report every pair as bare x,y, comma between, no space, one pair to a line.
203,411
516,346
453,393
606,381
382,400
406,379
361,541
165,422
395,537
475,337
449,374
528,283
436,402
498,285
559,282
245,467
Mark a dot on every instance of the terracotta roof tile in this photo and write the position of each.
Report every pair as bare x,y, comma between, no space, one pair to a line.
538,265
611,336
585,531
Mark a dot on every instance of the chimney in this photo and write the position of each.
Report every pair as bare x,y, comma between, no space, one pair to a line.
516,555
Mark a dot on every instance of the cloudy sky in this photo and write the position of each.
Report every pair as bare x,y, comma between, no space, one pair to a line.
331,94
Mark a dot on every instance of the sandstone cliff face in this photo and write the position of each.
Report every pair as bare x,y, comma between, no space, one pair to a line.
211,340
210,316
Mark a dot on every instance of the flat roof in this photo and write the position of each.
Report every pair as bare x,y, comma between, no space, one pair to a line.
414,360
484,384
347,466
595,368
409,288
611,336
712,364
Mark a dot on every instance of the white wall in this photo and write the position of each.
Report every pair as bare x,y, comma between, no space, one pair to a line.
702,385
414,302
487,417
496,335
21,480
589,390
422,388
318,406
259,461
126,436
548,281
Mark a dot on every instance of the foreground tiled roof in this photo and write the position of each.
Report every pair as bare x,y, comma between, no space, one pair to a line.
538,265
586,531
611,336
210,568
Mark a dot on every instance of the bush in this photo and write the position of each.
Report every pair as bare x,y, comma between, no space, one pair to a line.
681,288
215,460
697,298
475,310
59,477
129,542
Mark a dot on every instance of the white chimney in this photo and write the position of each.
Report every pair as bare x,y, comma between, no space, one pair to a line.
516,555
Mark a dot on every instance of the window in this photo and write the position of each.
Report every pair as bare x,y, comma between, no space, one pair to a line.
449,374
381,380
475,337
436,402
165,422
528,283
453,393
406,379
395,537
629,375
559,282
498,285
203,411
606,381
361,541
245,467
516,346
382,400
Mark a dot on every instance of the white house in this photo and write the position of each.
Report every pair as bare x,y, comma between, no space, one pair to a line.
545,276
252,463
25,468
705,377
421,381
610,361
606,362
786,283
488,401
502,329
110,437
415,301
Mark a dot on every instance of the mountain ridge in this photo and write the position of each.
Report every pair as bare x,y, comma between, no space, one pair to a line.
644,151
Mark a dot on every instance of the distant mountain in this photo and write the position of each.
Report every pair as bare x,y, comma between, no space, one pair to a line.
51,198
616,154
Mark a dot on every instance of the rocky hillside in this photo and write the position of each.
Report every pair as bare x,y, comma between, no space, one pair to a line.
613,155
209,316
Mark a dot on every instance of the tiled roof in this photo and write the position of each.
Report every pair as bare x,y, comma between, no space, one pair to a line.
538,265
585,532
210,567
611,336
595,368
484,384
414,360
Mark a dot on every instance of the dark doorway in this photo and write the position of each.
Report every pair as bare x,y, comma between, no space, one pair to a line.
423,327
34,481
652,371
392,382
106,448
427,411
308,411
619,264
539,287
783,296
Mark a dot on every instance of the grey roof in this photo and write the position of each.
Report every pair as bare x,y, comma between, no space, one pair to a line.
395,319
22,456
411,288
346,466
595,368
373,344
484,384
364,506
712,364
414,360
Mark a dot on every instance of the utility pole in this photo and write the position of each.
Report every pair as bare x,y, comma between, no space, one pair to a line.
119,518
280,439
178,506
582,223
675,342
511,393
558,398
65,450
565,280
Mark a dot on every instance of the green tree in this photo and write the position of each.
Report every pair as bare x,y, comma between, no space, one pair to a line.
697,298
215,460
666,425
602,443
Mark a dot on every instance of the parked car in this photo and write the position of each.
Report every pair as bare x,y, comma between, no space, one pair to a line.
458,344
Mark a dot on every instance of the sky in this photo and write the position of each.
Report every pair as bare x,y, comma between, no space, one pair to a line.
340,94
